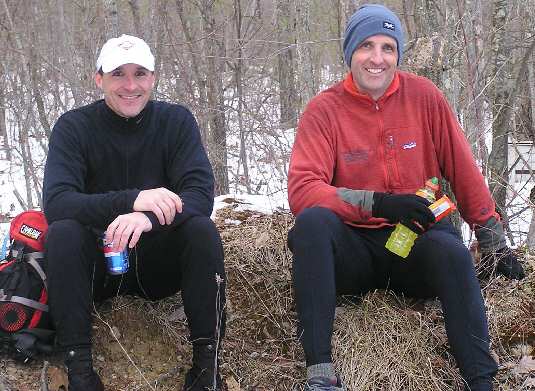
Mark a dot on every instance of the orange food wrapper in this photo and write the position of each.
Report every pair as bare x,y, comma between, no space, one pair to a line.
442,207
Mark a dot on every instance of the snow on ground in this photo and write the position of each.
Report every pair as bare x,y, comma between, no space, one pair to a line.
255,203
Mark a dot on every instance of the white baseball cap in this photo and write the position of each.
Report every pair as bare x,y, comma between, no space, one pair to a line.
125,49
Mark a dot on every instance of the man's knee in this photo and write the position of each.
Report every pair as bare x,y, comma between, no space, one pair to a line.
65,233
201,230
201,236
448,255
65,239
313,224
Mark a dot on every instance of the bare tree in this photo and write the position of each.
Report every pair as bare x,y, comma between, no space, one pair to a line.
3,129
111,18
308,75
217,142
289,100
238,67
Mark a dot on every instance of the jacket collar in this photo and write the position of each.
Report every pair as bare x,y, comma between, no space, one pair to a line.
125,124
351,88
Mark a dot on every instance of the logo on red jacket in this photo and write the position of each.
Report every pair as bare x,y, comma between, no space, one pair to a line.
410,145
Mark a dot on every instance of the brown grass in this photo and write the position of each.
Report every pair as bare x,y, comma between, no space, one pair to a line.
382,343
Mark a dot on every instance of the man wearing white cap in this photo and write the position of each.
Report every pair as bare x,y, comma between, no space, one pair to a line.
134,172
362,150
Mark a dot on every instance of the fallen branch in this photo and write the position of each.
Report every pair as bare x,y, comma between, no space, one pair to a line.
44,377
3,386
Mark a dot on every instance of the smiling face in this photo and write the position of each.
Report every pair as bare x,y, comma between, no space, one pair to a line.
374,64
127,89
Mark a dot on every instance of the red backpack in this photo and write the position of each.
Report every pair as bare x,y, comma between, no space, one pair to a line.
24,317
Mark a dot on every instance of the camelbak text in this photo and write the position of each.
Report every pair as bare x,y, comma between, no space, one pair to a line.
30,232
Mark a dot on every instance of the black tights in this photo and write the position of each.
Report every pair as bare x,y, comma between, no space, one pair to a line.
186,258
333,258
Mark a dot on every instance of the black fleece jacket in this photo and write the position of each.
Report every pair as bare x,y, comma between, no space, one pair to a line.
98,162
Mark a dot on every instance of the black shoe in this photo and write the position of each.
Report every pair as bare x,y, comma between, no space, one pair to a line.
204,372
82,376
85,381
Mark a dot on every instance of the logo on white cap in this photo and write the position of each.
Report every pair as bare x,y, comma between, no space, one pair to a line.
125,49
126,45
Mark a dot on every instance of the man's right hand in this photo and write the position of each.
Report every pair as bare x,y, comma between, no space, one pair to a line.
126,230
402,207
162,202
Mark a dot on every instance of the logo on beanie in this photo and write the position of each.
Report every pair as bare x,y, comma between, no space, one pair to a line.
389,26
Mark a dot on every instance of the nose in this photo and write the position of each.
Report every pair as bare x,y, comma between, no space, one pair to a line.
129,83
376,55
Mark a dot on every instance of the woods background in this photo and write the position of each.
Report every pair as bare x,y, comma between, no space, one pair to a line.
246,68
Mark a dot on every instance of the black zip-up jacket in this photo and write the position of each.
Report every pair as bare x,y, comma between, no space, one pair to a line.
98,162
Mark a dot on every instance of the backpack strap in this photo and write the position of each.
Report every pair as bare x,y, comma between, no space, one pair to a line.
24,301
32,258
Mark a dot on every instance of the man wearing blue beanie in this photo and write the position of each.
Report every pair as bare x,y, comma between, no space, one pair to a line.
364,147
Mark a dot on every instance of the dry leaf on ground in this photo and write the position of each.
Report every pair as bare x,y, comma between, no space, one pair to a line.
57,379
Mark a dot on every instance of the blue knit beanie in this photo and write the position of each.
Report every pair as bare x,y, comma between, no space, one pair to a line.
371,19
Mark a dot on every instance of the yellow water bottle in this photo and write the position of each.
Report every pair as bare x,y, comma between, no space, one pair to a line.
402,238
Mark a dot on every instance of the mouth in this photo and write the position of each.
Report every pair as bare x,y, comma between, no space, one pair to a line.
129,97
375,71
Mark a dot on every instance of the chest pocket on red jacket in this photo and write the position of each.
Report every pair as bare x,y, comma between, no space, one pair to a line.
404,149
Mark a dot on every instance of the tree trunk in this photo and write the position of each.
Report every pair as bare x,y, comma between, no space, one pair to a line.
238,69
217,143
530,240
66,51
198,73
531,96
111,17
3,127
475,62
36,92
288,98
308,83
134,8
498,166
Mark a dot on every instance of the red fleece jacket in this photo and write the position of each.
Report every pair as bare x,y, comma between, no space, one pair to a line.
345,139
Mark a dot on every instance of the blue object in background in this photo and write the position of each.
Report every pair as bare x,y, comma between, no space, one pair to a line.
3,250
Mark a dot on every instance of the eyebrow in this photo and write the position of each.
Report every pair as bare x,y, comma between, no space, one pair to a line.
393,44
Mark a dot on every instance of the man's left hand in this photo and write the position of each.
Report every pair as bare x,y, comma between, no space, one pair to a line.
507,263
125,227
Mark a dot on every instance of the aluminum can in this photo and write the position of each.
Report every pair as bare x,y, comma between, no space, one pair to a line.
116,261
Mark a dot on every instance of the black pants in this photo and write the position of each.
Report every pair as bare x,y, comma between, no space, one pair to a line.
330,258
185,258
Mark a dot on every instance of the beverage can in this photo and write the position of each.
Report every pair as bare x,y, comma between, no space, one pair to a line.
116,261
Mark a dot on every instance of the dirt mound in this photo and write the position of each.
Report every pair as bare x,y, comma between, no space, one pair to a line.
382,342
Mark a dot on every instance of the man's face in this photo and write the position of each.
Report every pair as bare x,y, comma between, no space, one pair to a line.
374,64
127,89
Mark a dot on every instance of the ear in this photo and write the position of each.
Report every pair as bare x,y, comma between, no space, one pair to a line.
98,80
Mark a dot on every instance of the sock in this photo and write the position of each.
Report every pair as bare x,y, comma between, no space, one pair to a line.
324,370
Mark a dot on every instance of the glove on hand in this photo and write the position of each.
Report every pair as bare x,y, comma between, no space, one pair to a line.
504,261
403,207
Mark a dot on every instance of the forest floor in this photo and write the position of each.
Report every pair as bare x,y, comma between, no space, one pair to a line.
381,342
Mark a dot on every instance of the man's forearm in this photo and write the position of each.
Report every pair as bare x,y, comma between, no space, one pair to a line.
96,210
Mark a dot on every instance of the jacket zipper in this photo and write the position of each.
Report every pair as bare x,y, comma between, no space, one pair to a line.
382,140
